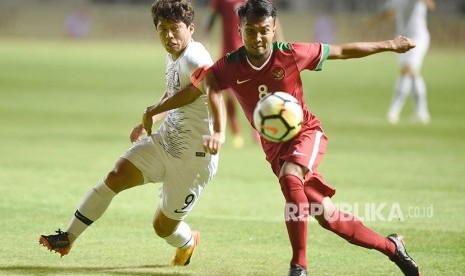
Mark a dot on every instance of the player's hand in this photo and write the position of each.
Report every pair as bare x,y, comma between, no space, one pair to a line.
137,133
212,144
147,121
402,44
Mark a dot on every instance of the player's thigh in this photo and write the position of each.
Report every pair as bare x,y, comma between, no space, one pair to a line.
307,150
149,158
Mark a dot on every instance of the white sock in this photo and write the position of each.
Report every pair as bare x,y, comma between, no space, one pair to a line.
419,96
401,91
91,208
181,237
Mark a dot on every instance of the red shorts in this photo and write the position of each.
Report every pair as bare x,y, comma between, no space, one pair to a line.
306,149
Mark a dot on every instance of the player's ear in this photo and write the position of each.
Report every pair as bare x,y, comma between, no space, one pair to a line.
239,30
191,28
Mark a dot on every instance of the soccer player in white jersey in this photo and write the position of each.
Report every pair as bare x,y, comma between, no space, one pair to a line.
411,21
178,143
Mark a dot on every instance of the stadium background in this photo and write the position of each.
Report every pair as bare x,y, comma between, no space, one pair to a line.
130,19
67,106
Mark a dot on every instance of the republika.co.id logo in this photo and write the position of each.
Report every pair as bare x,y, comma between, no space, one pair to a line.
365,212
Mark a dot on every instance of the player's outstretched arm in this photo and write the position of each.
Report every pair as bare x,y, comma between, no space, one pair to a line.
185,96
400,44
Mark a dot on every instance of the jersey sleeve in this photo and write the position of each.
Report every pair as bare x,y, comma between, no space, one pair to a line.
197,60
310,55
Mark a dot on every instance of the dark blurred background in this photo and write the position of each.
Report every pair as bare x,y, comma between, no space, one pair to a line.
131,20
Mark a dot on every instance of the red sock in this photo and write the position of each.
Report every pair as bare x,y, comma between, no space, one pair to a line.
296,215
353,230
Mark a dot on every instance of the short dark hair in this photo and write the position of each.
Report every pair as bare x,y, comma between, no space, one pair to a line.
258,8
173,10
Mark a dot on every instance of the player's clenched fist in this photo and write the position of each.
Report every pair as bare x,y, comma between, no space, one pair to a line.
402,44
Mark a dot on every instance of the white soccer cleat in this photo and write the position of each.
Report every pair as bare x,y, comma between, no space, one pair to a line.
393,118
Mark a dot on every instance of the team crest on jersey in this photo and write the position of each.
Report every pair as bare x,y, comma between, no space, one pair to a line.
278,73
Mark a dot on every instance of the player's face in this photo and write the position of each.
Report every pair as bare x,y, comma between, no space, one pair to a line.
174,36
257,37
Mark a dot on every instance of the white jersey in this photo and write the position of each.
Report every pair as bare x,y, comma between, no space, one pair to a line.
411,16
181,133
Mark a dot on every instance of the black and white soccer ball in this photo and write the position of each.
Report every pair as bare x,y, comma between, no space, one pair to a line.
278,117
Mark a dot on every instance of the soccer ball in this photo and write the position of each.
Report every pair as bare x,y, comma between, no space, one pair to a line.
278,117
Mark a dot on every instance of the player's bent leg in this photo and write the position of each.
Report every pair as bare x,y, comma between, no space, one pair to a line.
346,225
351,229
177,234
93,205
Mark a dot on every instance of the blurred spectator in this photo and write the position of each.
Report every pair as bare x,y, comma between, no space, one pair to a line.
324,27
77,23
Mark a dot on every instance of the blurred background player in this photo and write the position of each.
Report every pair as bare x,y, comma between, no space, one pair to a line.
178,143
411,21
77,23
231,41
324,26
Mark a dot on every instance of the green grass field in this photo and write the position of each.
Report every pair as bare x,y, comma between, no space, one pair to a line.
66,110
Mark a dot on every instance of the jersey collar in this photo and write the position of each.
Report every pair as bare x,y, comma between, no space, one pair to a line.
263,65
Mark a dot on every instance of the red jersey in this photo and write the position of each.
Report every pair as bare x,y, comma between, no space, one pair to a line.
228,11
281,72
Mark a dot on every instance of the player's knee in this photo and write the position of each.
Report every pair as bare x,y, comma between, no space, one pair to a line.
408,71
123,176
326,213
115,181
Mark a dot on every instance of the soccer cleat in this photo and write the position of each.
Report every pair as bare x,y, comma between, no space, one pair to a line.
58,242
423,117
401,258
393,117
297,270
183,256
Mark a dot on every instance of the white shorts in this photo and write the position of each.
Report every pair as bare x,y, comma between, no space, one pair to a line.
183,180
414,58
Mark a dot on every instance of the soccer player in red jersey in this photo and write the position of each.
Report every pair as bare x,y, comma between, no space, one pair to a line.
261,67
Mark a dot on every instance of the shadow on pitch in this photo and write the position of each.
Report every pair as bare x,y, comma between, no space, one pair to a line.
115,270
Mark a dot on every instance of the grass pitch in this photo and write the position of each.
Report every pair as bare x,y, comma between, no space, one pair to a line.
66,110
